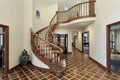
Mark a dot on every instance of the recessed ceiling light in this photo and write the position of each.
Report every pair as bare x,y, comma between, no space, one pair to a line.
77,1
81,23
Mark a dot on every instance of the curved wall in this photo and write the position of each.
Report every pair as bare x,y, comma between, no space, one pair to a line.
37,62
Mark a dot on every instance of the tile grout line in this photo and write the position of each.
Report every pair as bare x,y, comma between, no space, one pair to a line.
37,76
102,76
25,74
9,77
17,75
33,73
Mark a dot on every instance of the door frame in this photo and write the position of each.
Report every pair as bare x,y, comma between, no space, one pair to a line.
108,55
88,40
74,41
5,51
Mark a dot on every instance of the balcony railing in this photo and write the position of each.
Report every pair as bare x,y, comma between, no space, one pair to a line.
81,10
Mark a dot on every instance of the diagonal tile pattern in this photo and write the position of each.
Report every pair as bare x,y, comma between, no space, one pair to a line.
79,67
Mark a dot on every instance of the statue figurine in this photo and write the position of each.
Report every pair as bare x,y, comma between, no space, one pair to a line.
24,58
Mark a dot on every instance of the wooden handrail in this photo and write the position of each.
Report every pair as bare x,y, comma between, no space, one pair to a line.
41,29
52,19
60,50
75,6
49,53
78,13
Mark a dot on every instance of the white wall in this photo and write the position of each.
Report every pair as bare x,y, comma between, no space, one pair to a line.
47,11
37,62
105,14
28,23
12,15
79,41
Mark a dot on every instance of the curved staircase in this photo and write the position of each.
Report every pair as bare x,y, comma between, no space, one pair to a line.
42,43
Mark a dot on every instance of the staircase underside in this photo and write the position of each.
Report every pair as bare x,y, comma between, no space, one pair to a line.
77,24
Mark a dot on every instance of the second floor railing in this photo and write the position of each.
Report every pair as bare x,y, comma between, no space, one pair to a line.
85,9
81,10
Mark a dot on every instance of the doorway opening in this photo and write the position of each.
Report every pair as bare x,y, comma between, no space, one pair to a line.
113,47
74,41
4,50
85,42
62,41
1,46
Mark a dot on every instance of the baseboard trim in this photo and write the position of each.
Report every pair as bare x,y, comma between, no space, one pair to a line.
69,52
13,67
78,49
100,65
29,62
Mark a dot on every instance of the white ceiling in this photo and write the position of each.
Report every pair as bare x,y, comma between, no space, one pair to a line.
77,24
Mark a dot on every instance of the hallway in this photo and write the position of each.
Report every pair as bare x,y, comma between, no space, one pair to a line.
79,67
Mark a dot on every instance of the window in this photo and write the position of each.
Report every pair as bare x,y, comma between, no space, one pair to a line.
65,6
112,41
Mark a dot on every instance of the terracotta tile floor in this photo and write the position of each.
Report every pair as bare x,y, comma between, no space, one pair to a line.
79,67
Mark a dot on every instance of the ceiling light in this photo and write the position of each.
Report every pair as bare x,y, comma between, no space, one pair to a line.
81,23
77,1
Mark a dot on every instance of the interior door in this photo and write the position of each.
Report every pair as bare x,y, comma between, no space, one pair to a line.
85,42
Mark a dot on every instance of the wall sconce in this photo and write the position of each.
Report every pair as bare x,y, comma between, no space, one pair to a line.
37,13
77,1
